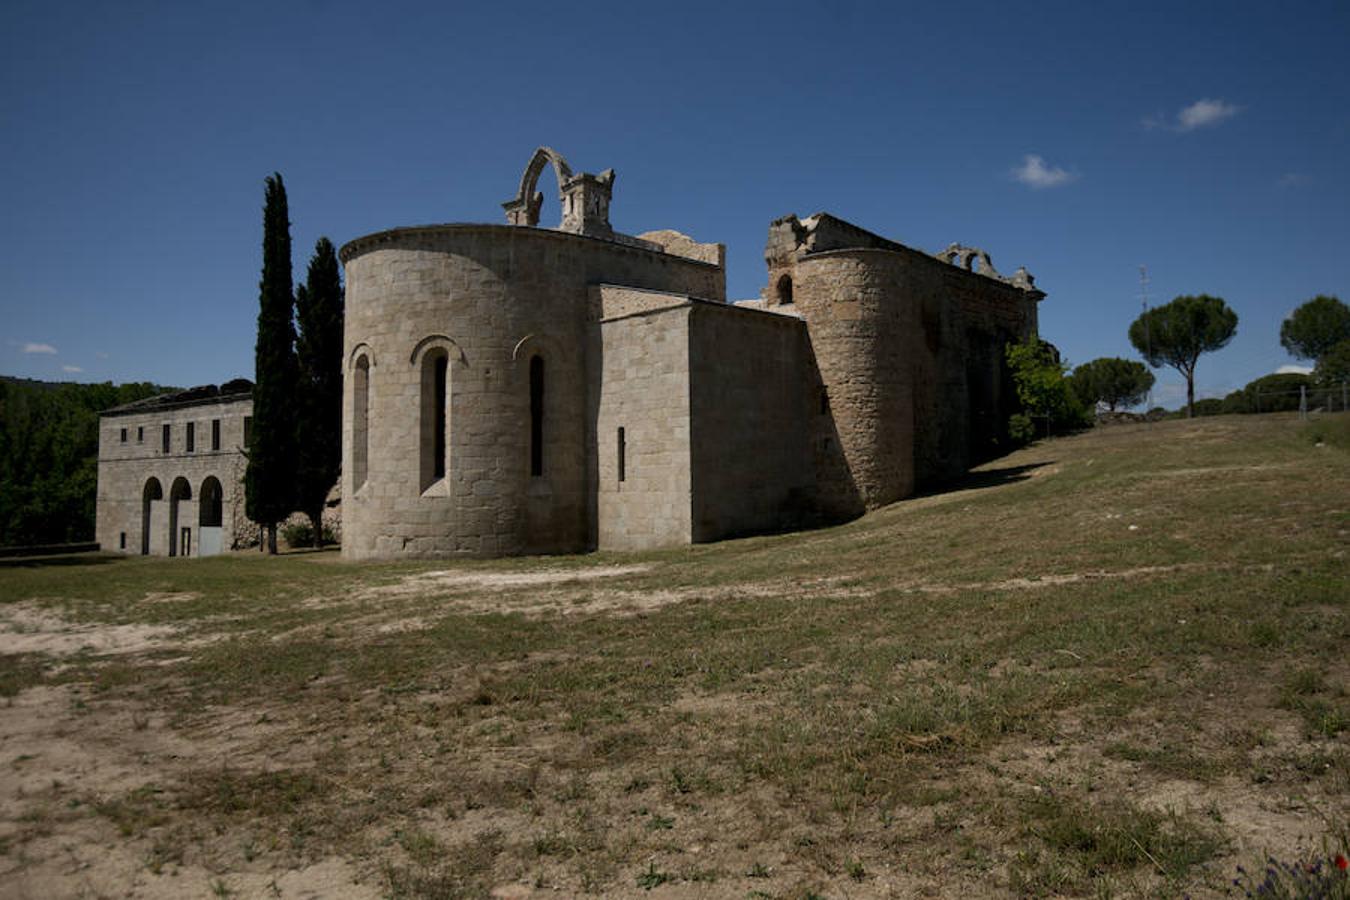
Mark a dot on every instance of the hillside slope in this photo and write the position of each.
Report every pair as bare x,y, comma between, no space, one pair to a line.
1110,665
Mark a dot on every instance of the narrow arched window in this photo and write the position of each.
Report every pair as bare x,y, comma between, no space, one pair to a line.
360,421
536,416
785,291
435,420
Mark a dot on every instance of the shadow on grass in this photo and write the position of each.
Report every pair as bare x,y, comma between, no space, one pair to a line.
68,559
987,479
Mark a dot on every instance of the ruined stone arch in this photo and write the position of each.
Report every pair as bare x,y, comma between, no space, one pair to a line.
525,208
972,259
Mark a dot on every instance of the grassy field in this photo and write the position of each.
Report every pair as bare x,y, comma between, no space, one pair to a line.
1111,665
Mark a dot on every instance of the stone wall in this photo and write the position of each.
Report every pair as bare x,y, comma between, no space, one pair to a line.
644,390
126,466
908,351
490,298
748,376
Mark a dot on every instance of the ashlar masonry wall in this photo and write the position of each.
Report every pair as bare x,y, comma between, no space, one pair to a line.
644,491
490,299
147,495
751,415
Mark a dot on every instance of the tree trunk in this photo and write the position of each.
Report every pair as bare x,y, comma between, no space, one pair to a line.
1190,396
316,523
272,539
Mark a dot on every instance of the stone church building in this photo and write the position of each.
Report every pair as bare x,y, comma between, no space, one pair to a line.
518,389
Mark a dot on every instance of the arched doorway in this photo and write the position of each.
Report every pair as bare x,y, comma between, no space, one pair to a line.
179,544
149,495
210,517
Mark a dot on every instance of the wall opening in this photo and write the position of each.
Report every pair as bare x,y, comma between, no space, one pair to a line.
165,436
435,418
149,494
179,492
536,416
215,434
248,430
211,504
124,435
140,434
191,440
784,291
360,418
622,453
122,540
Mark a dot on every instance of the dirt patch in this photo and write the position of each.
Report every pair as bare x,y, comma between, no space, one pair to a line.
28,628
1054,580
424,582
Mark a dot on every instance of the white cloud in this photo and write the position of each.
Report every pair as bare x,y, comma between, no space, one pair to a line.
1292,180
1203,113
1291,369
101,355
1034,173
71,369
38,348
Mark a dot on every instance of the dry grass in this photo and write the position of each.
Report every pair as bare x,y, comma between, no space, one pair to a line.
1110,665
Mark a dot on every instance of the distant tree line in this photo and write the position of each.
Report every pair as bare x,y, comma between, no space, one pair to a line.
1177,334
49,456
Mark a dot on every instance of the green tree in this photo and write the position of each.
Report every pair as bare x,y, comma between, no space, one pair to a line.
318,306
269,480
1278,392
1333,367
49,457
1178,333
1042,390
1315,327
1113,381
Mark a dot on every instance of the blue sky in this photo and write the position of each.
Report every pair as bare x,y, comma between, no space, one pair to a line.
1207,140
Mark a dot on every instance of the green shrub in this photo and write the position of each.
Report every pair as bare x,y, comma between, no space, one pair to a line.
301,534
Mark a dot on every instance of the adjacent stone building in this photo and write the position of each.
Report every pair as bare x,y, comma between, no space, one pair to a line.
170,472
517,389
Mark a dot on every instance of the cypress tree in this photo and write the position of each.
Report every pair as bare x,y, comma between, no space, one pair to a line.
269,481
318,307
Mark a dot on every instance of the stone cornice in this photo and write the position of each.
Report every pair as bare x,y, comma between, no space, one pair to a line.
394,237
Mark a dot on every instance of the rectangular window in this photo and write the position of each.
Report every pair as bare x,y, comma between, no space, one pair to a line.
623,450
215,434
434,417
122,539
165,442
191,439
536,416
140,434
438,460
360,409
248,430
124,435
